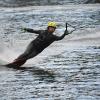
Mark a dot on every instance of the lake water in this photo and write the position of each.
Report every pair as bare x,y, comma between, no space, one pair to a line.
67,70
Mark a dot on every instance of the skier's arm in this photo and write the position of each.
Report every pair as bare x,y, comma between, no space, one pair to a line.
61,37
65,33
31,30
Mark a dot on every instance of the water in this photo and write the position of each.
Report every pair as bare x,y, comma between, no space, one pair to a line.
71,75
17,3
67,70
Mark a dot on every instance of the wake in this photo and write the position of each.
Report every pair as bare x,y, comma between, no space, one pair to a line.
90,38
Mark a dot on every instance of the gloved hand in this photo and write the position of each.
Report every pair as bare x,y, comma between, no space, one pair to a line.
24,30
66,32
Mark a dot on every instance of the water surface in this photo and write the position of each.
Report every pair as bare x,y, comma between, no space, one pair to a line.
67,70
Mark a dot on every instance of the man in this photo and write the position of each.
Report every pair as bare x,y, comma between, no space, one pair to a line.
43,40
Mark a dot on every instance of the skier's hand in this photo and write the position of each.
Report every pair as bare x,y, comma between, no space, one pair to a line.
24,30
66,32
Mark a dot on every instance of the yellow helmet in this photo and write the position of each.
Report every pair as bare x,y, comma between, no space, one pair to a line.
52,24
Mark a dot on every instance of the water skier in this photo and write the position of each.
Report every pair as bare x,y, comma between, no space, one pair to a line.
43,40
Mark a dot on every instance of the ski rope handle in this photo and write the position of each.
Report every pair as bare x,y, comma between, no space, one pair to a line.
71,26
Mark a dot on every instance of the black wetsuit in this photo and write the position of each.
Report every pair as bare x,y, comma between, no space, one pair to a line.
43,40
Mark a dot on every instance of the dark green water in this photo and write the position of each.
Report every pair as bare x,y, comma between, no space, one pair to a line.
18,3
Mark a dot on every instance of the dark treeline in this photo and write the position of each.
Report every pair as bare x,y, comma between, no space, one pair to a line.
18,3
92,1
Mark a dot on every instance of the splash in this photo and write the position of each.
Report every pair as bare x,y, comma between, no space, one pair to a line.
7,54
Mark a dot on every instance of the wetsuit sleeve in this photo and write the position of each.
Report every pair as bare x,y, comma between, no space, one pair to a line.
61,37
32,30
